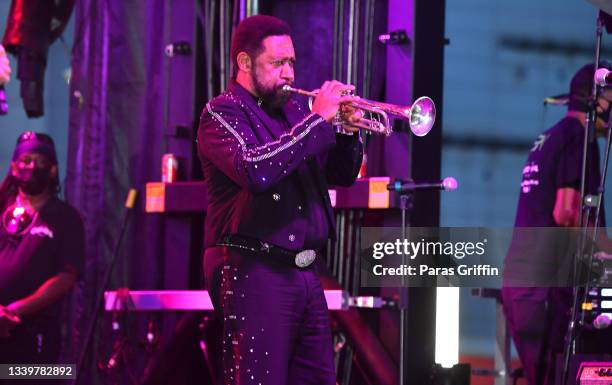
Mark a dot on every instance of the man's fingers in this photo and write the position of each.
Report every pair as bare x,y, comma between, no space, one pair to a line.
356,116
348,128
348,99
325,86
337,87
341,88
352,114
349,87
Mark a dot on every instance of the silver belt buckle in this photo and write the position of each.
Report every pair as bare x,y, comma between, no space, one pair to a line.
305,258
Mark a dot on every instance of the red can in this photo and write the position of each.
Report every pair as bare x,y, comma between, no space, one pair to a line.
169,169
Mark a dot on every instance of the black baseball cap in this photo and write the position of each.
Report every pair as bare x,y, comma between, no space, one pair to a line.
37,142
581,86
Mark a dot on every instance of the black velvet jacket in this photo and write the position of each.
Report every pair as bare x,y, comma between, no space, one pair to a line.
250,168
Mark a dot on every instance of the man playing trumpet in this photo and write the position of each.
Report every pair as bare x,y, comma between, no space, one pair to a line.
267,164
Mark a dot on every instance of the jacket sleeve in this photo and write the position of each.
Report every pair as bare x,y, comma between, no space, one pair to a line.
226,138
344,161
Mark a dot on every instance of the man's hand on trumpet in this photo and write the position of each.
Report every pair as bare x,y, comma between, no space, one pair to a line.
352,115
331,98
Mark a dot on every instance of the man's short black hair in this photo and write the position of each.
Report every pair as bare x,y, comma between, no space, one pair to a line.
251,32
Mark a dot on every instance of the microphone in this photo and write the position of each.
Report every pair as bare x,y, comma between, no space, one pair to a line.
447,184
601,322
3,102
602,77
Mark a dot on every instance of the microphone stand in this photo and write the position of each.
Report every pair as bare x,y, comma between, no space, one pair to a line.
129,205
406,199
589,201
589,134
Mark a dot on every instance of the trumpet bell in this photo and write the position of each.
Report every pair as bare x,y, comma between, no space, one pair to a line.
422,116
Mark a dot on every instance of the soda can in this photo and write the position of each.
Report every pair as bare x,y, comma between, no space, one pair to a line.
169,169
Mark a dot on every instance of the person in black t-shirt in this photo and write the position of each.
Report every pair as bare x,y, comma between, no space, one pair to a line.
536,268
41,253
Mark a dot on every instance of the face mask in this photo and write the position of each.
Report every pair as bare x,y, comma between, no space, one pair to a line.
33,181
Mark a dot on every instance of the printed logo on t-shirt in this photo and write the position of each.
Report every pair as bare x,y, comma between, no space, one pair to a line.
530,177
539,143
42,231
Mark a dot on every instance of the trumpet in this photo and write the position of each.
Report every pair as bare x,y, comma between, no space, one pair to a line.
421,115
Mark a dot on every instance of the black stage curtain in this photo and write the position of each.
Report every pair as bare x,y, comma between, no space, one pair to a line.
115,142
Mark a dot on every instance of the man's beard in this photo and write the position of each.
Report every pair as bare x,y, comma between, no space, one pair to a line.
273,97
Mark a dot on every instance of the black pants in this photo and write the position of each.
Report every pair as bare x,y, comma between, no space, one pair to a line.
276,325
538,319
31,344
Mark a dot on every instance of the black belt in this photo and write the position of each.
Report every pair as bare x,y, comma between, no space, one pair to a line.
301,259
